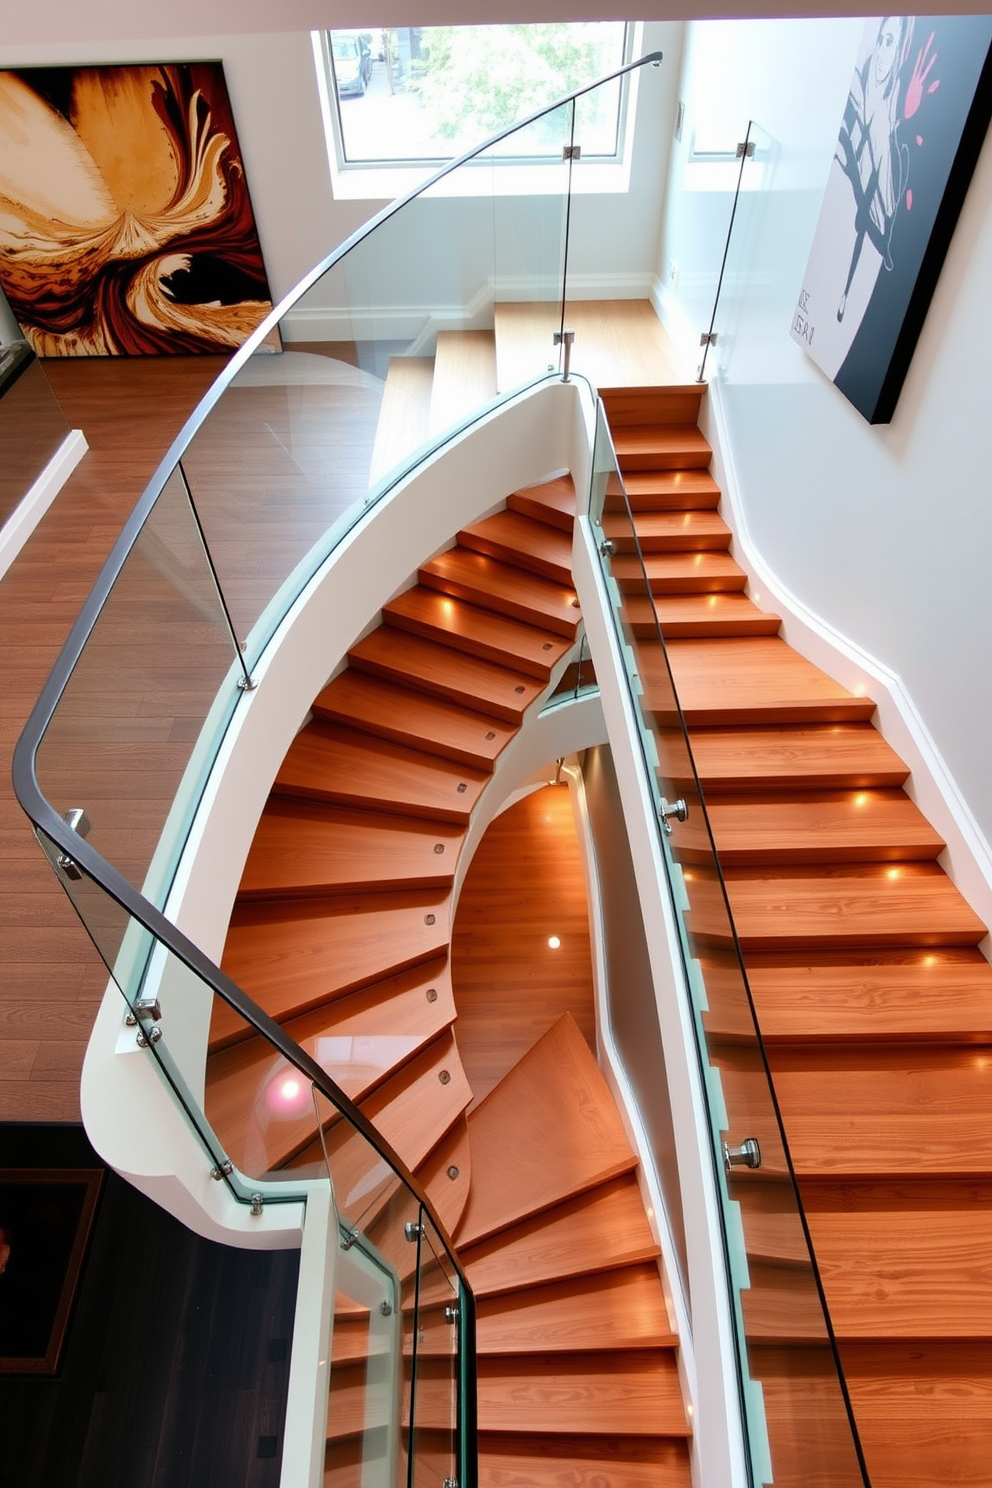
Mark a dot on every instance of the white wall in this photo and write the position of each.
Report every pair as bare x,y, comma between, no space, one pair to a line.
274,94
885,532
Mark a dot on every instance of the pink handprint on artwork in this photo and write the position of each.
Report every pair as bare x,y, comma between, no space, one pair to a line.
914,89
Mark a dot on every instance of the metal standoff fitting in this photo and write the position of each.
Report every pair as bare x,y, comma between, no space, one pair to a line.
451,1314
77,819
668,809
747,1155
412,1230
222,1170
607,548
256,1205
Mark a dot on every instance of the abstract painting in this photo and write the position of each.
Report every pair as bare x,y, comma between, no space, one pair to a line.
917,111
126,227
45,1220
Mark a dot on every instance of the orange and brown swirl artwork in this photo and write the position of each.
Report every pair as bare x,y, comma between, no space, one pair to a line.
125,223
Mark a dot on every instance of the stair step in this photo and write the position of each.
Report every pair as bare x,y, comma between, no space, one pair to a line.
661,447
290,957
262,1109
678,573
635,1394
403,413
758,679
413,719
696,616
594,1232
622,1309
525,1158
944,1440
507,590
671,490
652,405
341,767
782,1306
907,995
464,377
838,756
559,1461
668,532
511,537
916,906
445,1175
885,1111
904,1260
495,638
412,1111
305,848
817,827
442,671
552,501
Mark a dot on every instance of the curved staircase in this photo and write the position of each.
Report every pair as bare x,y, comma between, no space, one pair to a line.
873,998
341,931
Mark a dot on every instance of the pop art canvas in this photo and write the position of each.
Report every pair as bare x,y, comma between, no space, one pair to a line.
126,227
916,115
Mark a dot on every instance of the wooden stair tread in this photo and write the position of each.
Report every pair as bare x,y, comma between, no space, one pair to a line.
830,756
329,763
403,413
289,956
674,404
668,531
661,447
904,1260
621,1309
671,490
524,1157
413,1110
551,501
303,847
696,616
512,537
464,377
443,671
507,590
925,995
413,719
820,827
678,573
637,1394
782,1305
565,1461
261,1108
924,1411
598,1230
758,679
496,638
850,911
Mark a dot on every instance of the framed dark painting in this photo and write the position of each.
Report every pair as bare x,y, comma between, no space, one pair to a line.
126,227
45,1221
917,113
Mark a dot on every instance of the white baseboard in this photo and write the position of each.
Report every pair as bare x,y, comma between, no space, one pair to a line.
967,858
34,504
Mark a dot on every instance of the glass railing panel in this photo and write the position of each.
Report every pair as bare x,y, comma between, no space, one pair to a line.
434,1434
736,287
148,698
793,1392
529,227
32,425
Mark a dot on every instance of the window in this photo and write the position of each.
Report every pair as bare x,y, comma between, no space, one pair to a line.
415,94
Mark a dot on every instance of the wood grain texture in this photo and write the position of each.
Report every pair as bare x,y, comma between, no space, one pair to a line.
413,719
704,572
328,763
754,680
507,1461
445,672
671,490
594,1232
500,587
480,632
619,344
695,616
661,447
832,756
821,827
403,413
619,1309
638,1396
524,1157
551,501
464,377
668,532
533,545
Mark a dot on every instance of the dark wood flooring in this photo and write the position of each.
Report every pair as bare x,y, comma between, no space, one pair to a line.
176,1364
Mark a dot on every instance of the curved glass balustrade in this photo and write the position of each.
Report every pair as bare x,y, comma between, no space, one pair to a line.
797,1413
